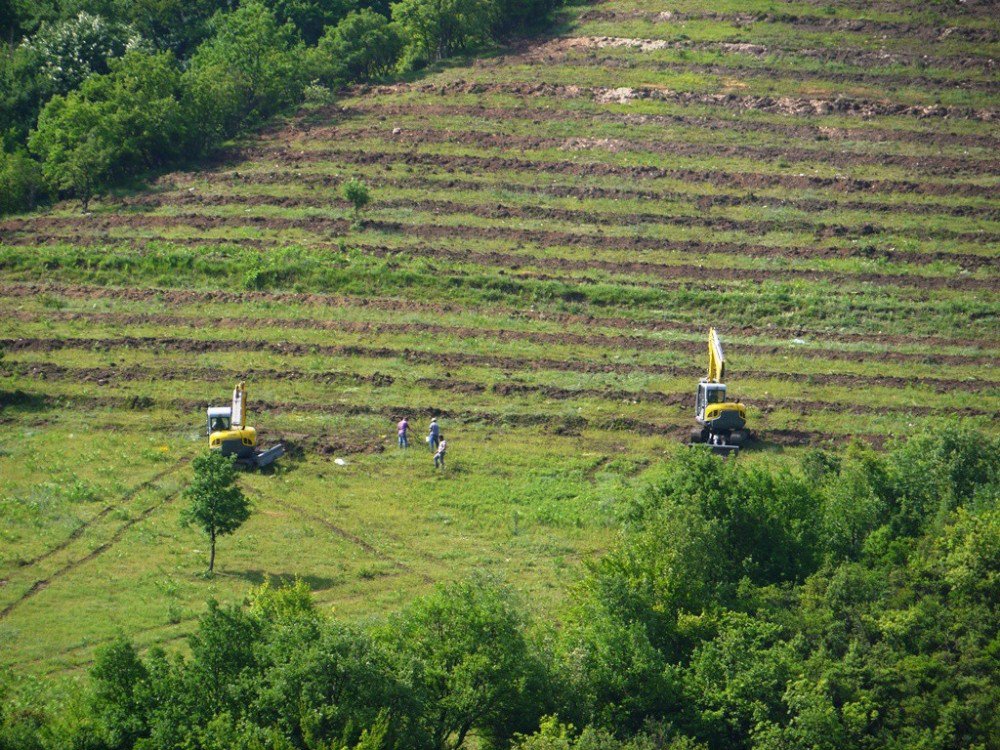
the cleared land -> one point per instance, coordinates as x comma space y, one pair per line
553, 230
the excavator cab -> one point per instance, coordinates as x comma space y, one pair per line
229, 433
720, 421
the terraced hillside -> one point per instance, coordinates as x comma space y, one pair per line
553, 230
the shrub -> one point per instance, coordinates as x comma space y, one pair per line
364, 45
357, 193
21, 182
311, 17
436, 29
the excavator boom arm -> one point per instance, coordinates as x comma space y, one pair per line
239, 417
716, 360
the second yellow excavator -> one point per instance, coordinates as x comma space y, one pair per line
721, 422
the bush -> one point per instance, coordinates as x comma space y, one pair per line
115, 125
362, 46
357, 193
21, 182
247, 71
436, 29
72, 50
311, 17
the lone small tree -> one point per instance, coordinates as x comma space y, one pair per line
217, 505
357, 193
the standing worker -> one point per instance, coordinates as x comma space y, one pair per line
434, 436
401, 430
439, 456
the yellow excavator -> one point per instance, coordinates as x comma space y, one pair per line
228, 432
721, 423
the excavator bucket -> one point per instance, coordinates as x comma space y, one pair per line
268, 457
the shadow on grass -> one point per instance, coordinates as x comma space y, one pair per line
25, 401
314, 582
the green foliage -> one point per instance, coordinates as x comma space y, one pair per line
217, 506
248, 70
464, 651
69, 51
115, 125
363, 46
520, 15
20, 182
357, 193
436, 29
311, 17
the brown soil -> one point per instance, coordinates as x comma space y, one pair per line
579, 217
383, 108
179, 297
703, 201
34, 232
809, 23
929, 165
785, 105
738, 180
507, 364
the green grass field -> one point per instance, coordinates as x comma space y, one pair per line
553, 230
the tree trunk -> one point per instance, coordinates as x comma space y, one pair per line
211, 554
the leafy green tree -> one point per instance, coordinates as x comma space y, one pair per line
358, 194
217, 505
121, 694
71, 50
115, 125
250, 69
521, 15
464, 651
436, 29
20, 182
311, 17
364, 45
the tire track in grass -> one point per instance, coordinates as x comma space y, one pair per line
43, 583
125, 498
345, 535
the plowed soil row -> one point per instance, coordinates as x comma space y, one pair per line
584, 55
740, 180
109, 376
458, 359
810, 23
703, 201
31, 235
850, 55
178, 297
842, 53
509, 211
602, 341
786, 105
555, 424
929, 165
384, 107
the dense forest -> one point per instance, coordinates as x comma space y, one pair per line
851, 602
96, 92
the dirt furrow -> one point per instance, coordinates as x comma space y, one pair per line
929, 165
703, 200
868, 26
577, 168
387, 107
32, 232
505, 363
603, 341
554, 424
582, 53
500, 210
784, 105
110, 376
180, 297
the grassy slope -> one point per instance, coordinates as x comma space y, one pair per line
539, 266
